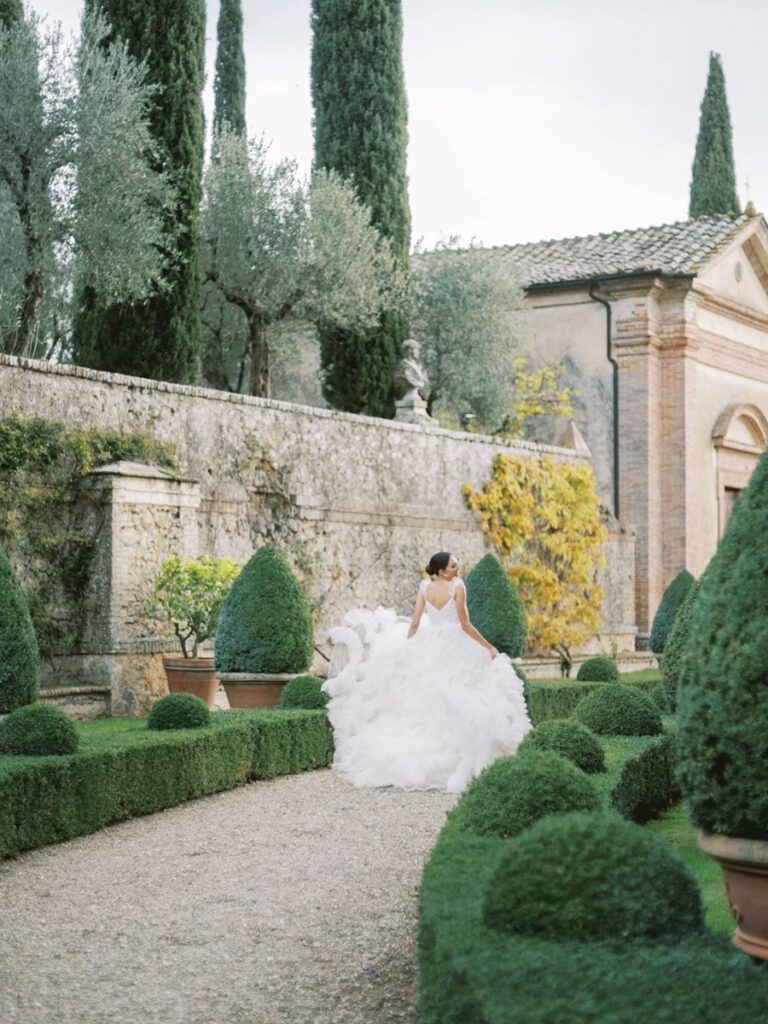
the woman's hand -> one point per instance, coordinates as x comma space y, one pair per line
493, 652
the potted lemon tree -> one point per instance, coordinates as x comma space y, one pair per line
190, 594
722, 713
265, 635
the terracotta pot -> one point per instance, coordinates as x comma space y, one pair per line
254, 689
744, 863
191, 675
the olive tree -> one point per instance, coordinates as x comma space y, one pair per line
80, 193
466, 315
276, 248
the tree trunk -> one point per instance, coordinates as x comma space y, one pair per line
34, 280
258, 349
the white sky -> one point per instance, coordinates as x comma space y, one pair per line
531, 120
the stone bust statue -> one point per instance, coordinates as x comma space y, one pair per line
410, 377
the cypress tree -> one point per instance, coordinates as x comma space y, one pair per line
229, 82
159, 338
671, 602
358, 95
10, 11
713, 181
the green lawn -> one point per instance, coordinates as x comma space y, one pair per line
643, 675
675, 827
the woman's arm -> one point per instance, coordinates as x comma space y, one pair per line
466, 625
417, 613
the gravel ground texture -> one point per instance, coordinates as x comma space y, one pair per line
283, 902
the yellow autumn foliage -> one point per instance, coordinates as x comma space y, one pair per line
536, 391
543, 519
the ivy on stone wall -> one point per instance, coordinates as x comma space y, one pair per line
49, 523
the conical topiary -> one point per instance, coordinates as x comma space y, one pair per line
19, 655
495, 608
674, 656
722, 696
669, 606
265, 624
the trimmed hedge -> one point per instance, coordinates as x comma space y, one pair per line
304, 692
471, 974
598, 670
646, 783
179, 711
570, 739
139, 772
19, 655
513, 792
670, 604
495, 609
559, 700
38, 730
265, 624
618, 710
592, 876
674, 657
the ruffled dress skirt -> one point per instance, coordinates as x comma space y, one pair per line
426, 713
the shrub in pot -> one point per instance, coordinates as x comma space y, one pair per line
19, 655
495, 608
722, 712
190, 594
265, 631
670, 604
598, 670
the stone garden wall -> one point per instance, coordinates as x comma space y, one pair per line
358, 504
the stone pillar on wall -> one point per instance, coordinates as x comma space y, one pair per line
149, 515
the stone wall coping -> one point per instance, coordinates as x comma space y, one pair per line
194, 391
143, 470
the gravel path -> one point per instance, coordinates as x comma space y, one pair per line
283, 902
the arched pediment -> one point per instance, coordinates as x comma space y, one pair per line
741, 426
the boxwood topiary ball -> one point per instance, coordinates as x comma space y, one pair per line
592, 876
38, 730
304, 692
598, 670
179, 711
513, 792
617, 710
571, 739
660, 698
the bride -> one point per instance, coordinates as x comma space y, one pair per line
426, 706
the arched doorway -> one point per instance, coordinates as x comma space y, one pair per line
740, 435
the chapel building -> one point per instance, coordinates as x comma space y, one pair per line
664, 333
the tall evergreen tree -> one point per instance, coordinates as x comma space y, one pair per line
10, 11
159, 338
229, 82
713, 181
358, 93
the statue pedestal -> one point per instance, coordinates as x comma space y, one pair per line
412, 409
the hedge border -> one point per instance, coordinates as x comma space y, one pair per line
469, 974
50, 799
559, 700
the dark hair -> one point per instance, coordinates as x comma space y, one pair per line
438, 562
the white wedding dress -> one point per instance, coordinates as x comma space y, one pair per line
426, 713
